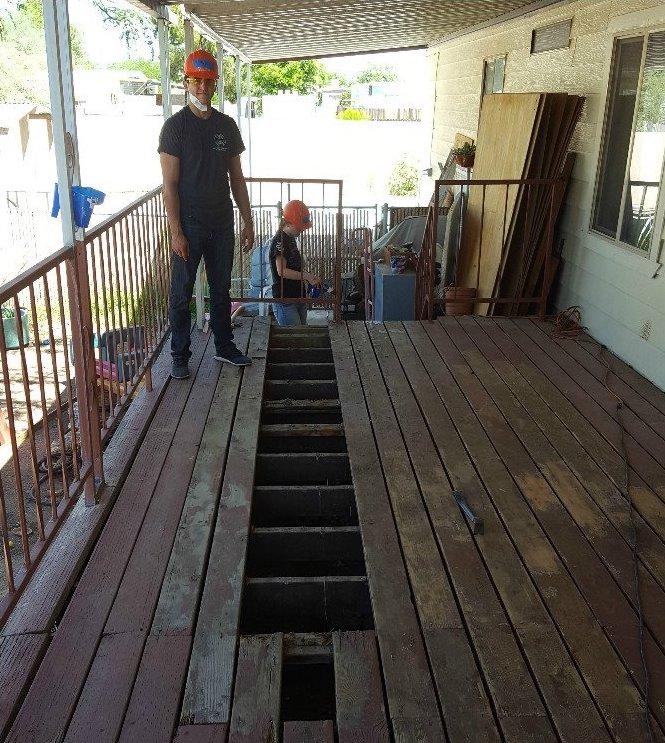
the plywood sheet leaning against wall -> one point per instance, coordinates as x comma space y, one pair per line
504, 145
523, 271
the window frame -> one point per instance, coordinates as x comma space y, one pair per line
653, 254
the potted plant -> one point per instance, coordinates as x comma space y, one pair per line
10, 327
465, 155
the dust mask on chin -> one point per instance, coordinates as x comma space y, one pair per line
197, 103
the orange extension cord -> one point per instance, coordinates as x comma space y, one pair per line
568, 324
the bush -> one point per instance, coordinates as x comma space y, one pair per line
403, 180
352, 114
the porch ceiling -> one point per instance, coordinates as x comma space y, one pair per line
271, 30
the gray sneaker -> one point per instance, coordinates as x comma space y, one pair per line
179, 370
231, 355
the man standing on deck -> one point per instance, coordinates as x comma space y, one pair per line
199, 150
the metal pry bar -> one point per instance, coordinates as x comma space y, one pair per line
476, 522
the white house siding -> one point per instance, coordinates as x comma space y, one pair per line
623, 304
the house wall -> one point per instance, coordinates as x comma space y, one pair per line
621, 294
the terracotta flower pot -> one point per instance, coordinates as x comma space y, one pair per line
459, 300
465, 161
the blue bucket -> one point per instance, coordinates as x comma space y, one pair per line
83, 202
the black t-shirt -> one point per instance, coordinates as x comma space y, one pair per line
286, 246
204, 147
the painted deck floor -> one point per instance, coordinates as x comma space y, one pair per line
286, 559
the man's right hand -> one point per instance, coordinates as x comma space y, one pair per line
180, 246
312, 279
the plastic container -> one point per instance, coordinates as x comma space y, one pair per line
11, 330
84, 200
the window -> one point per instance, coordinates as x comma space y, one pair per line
631, 161
493, 75
549, 38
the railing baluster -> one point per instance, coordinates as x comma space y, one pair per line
129, 278
18, 478
130, 230
145, 270
42, 394
56, 384
70, 398
6, 544
111, 337
122, 329
102, 373
31, 425
129, 299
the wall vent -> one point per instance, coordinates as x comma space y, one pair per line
554, 36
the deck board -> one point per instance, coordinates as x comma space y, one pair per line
210, 678
526, 632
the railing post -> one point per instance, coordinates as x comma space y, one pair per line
84, 369
384, 219
557, 187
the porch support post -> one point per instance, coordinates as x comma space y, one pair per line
249, 118
164, 61
238, 94
189, 36
220, 82
63, 112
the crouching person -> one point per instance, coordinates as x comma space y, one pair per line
289, 279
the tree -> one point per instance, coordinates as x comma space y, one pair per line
22, 54
133, 27
149, 67
404, 179
377, 74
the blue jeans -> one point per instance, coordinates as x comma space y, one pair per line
290, 314
216, 248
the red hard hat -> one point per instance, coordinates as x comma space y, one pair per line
202, 65
297, 214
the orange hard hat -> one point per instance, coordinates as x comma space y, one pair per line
297, 214
202, 65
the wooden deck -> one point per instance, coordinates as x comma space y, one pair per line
286, 561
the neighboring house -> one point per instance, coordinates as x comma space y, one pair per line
613, 53
388, 100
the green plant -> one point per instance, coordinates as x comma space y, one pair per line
352, 114
7, 313
403, 180
466, 150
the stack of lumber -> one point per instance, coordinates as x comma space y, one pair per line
520, 136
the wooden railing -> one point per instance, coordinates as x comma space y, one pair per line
79, 333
